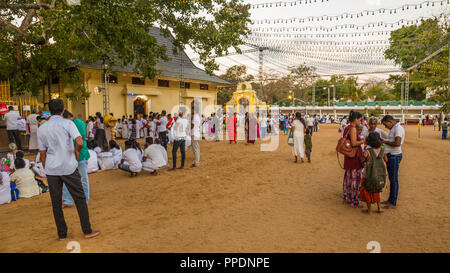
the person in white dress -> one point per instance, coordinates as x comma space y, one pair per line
298, 128
116, 151
124, 128
33, 123
5, 188
37, 166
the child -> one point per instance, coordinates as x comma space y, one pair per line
11, 156
308, 144
374, 172
116, 153
137, 146
133, 162
92, 162
133, 130
24, 180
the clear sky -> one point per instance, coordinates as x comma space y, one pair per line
331, 59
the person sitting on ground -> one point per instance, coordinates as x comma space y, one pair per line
130, 161
21, 154
116, 151
37, 167
155, 156
374, 172
24, 180
5, 188
93, 159
140, 152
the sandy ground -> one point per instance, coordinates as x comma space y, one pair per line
245, 200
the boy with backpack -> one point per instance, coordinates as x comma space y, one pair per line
374, 172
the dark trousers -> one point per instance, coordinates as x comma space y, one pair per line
73, 184
308, 153
316, 127
14, 135
182, 145
392, 167
444, 134
311, 129
163, 139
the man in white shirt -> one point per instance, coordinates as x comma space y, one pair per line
180, 132
196, 135
59, 158
162, 129
393, 150
155, 156
12, 122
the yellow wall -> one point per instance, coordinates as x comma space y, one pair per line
121, 102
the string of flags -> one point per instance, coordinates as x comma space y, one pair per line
285, 3
406, 7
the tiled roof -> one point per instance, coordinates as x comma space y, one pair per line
171, 68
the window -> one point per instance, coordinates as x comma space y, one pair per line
137, 80
111, 78
163, 83
186, 85
203, 87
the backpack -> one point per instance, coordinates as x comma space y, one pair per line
375, 179
14, 192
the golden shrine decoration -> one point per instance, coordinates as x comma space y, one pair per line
25, 100
245, 96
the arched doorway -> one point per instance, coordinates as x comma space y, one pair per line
139, 106
243, 105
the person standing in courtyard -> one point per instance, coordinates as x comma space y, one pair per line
162, 129
353, 166
232, 128
100, 135
445, 128
82, 161
196, 135
59, 158
393, 150
180, 132
12, 122
34, 125
298, 129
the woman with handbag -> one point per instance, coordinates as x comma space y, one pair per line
352, 165
298, 131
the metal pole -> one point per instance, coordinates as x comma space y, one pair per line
334, 94
314, 95
328, 96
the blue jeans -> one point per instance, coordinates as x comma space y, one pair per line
392, 168
444, 134
263, 132
82, 168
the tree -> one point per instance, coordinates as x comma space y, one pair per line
39, 38
411, 44
235, 75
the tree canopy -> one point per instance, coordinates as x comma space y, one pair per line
42, 37
411, 44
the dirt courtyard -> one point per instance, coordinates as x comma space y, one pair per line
244, 200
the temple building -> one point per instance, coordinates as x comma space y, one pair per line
130, 94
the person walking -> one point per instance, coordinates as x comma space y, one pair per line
310, 124
393, 149
59, 158
82, 161
445, 128
353, 165
180, 132
298, 129
196, 135
34, 125
12, 122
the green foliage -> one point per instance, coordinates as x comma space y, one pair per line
410, 45
377, 112
235, 75
52, 39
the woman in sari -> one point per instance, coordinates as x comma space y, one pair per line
250, 126
232, 128
353, 166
